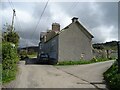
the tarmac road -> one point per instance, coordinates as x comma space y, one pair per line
91, 73
48, 76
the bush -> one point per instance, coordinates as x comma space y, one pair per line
98, 59
10, 35
23, 54
112, 77
9, 61
31, 52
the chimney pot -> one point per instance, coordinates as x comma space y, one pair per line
74, 19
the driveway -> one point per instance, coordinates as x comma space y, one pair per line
48, 76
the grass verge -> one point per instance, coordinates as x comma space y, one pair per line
112, 78
94, 60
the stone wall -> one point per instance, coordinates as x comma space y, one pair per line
104, 53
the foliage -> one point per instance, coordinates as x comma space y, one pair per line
73, 62
9, 61
108, 45
31, 52
99, 59
96, 46
23, 54
10, 35
8, 75
112, 77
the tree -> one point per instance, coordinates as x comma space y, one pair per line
10, 35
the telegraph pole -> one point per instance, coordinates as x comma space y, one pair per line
13, 19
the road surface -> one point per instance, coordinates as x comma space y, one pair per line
91, 73
48, 76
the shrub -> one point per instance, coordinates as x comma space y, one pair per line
23, 54
98, 59
9, 61
94, 60
10, 35
31, 52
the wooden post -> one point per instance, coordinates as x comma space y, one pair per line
118, 44
107, 54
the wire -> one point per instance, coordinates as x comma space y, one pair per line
13, 8
11, 5
40, 18
18, 23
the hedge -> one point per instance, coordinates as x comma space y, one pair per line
112, 77
9, 62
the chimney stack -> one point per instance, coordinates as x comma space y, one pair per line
74, 19
56, 27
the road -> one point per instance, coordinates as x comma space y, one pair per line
91, 73
48, 76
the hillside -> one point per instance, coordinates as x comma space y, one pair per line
108, 45
34, 48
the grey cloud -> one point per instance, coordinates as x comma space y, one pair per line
92, 15
38, 9
111, 16
83, 11
110, 11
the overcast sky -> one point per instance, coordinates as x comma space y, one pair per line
100, 18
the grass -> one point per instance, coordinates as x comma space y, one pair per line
94, 60
73, 62
32, 55
112, 77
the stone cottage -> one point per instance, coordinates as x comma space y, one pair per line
73, 42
